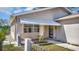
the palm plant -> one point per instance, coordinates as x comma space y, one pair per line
41, 39
2, 38
3, 32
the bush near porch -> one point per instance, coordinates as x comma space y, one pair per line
40, 39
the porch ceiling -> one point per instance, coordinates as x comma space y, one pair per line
39, 22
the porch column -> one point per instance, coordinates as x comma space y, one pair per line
54, 33
16, 35
18, 32
41, 30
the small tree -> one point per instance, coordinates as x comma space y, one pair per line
2, 38
3, 32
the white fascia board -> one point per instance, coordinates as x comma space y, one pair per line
32, 11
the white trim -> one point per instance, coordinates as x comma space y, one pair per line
32, 11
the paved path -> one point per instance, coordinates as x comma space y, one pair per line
65, 45
8, 40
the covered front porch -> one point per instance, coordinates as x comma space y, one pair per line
39, 30
34, 28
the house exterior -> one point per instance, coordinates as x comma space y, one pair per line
57, 23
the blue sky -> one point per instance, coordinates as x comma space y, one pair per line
5, 12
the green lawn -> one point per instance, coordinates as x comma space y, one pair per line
51, 47
12, 48
54, 47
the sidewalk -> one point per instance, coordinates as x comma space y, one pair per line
8, 40
65, 45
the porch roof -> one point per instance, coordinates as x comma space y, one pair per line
40, 22
69, 17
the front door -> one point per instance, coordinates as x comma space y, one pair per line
50, 31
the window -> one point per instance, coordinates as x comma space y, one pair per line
31, 28
27, 28
36, 28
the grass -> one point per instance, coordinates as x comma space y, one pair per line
51, 47
11, 47
54, 47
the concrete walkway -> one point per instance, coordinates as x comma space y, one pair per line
8, 40
65, 45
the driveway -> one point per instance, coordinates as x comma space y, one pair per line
65, 45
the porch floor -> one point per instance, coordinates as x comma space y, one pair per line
65, 45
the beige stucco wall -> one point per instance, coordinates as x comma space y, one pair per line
12, 32
46, 31
20, 31
29, 35
43, 30
19, 28
71, 28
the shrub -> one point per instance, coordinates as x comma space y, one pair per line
43, 44
2, 36
8, 47
41, 39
